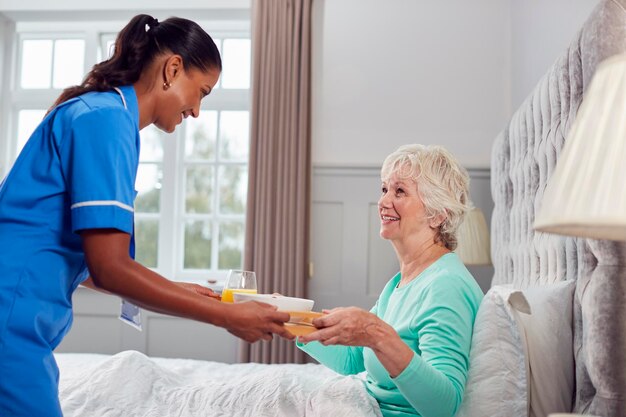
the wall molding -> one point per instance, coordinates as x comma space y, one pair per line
373, 171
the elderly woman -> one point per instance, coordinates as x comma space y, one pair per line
414, 343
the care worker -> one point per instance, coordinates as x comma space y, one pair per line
66, 208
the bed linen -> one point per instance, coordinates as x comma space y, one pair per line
132, 384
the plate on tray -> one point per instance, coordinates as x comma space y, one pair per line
283, 302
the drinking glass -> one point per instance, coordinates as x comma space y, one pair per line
238, 281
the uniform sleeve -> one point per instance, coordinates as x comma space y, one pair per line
434, 380
346, 360
100, 159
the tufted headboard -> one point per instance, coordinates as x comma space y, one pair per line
523, 159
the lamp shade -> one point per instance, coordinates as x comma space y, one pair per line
586, 195
473, 239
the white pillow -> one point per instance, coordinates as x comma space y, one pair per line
497, 378
522, 364
550, 341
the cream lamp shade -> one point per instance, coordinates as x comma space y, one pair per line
473, 239
586, 195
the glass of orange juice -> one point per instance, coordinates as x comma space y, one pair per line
238, 281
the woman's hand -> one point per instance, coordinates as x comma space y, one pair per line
199, 289
253, 321
349, 326
352, 326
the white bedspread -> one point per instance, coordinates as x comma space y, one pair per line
132, 384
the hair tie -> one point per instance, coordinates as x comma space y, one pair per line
154, 23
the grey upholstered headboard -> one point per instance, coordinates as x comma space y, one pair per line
523, 159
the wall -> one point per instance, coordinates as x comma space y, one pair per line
540, 32
388, 73
395, 72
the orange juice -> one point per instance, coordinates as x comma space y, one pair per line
227, 294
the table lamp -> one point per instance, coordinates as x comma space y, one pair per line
473, 239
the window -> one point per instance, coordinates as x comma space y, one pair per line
191, 184
51, 63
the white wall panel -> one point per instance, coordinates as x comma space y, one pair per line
94, 333
326, 223
175, 338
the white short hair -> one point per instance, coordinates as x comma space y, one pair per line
442, 184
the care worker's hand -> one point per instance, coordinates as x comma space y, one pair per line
253, 321
199, 289
348, 326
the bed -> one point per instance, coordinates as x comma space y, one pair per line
524, 156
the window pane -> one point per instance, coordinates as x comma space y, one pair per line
147, 242
231, 245
234, 135
236, 63
151, 144
36, 63
218, 43
233, 183
27, 121
148, 185
200, 136
110, 49
199, 189
69, 62
197, 245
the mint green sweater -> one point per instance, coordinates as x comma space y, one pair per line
434, 315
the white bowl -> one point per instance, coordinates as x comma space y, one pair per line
282, 302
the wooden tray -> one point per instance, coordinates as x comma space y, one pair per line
303, 317
300, 322
299, 329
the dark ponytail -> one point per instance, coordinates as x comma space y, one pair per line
138, 44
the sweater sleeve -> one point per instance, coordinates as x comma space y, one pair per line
346, 360
434, 380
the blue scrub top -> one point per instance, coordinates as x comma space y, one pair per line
77, 171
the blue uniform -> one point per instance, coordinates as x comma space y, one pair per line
77, 171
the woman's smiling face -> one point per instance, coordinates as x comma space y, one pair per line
182, 99
402, 212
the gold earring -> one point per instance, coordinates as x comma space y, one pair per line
166, 85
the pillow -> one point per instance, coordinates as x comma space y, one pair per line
550, 342
521, 358
497, 376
